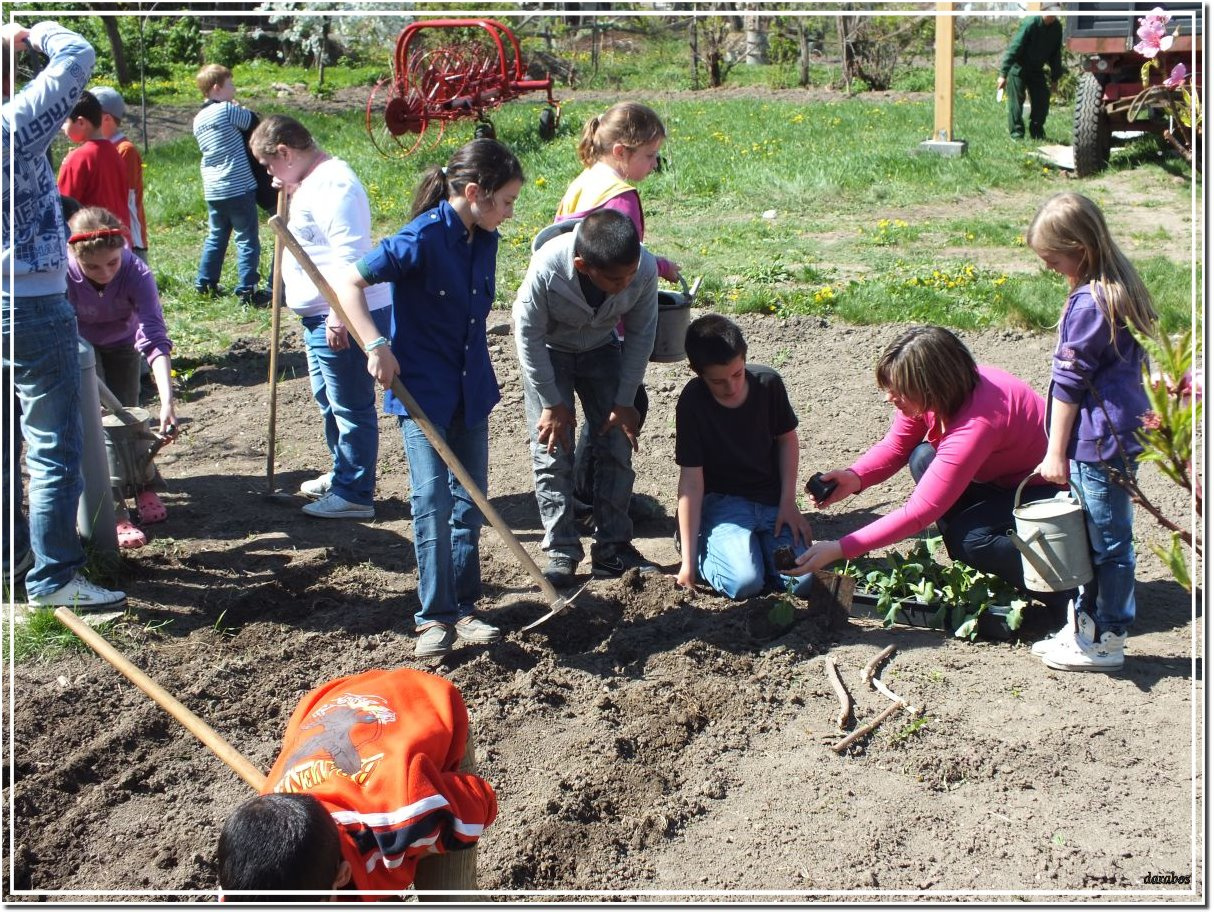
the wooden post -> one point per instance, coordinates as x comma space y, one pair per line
943, 130
942, 140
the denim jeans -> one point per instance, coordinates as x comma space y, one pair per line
1109, 596
118, 369
593, 376
446, 521
736, 550
345, 393
45, 373
975, 528
583, 457
239, 215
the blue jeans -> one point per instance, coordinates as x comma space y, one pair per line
1109, 596
345, 393
593, 376
736, 550
975, 528
446, 521
45, 373
239, 215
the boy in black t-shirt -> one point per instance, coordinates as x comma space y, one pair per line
737, 449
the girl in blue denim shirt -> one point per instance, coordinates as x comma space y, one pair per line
441, 267
1096, 405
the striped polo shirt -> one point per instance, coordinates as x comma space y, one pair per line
225, 164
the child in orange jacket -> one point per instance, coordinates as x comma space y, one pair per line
367, 784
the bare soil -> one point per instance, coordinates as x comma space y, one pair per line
644, 739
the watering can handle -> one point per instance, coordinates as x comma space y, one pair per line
1024, 482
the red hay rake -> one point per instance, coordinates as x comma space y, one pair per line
436, 81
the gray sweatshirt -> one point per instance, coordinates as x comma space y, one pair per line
30, 120
550, 312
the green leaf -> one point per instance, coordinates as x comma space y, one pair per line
781, 613
1016, 615
968, 628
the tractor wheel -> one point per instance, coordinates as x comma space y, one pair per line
547, 124
484, 130
1093, 136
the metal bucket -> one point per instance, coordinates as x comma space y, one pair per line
1052, 537
129, 448
674, 316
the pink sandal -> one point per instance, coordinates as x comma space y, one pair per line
151, 508
130, 536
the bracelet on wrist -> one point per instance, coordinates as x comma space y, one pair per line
376, 343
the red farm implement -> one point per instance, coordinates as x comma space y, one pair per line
446, 70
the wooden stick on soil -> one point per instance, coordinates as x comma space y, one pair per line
870, 671
860, 732
845, 705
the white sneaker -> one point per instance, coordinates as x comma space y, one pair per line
80, 594
1082, 653
318, 487
333, 505
1066, 633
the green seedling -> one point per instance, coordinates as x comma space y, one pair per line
909, 730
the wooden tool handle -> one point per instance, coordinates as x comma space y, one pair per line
277, 293
183, 715
418, 415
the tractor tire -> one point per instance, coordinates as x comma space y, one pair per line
1093, 135
547, 124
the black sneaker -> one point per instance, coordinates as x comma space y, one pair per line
559, 570
258, 298
613, 561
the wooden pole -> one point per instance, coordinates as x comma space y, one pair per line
183, 715
942, 132
277, 293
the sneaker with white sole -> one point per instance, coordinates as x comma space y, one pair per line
79, 593
435, 640
318, 487
477, 631
613, 561
1066, 633
1084, 651
333, 505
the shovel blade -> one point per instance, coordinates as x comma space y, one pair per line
556, 608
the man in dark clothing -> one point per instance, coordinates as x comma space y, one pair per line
1037, 43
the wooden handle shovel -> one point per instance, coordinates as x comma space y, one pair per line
556, 602
276, 303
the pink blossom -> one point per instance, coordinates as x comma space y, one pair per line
1177, 77
1150, 420
1153, 30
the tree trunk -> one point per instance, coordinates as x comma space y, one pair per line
121, 70
321, 55
693, 40
756, 40
803, 54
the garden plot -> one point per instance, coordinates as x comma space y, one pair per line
640, 741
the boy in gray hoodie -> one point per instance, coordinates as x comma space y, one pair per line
586, 276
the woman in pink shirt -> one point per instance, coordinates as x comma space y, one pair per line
969, 434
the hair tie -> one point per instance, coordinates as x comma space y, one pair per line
444, 171
93, 235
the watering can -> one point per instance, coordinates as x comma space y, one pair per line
1052, 537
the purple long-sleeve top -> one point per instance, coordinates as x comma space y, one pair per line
1102, 373
126, 312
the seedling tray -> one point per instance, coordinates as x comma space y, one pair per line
992, 624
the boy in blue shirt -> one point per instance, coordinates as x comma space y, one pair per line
229, 186
737, 450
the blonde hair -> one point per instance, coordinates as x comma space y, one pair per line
1070, 224
94, 230
626, 122
930, 366
210, 76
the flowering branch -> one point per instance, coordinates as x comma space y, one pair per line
1173, 93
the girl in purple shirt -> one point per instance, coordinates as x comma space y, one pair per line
118, 311
1096, 405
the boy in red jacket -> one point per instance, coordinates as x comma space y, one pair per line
368, 783
93, 173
